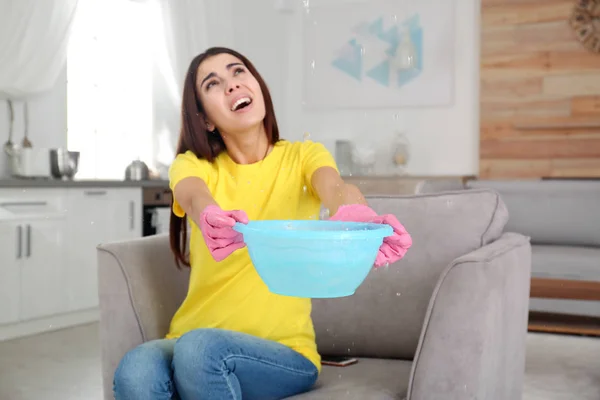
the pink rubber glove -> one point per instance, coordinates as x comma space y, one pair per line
394, 247
217, 228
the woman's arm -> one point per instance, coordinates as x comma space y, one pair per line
333, 191
193, 196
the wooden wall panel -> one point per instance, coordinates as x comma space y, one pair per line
540, 93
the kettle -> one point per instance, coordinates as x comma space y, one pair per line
137, 171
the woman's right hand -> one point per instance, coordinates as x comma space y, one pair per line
216, 225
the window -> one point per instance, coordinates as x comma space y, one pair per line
109, 86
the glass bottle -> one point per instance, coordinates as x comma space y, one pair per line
401, 153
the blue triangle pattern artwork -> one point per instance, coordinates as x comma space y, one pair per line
381, 73
350, 61
404, 77
376, 28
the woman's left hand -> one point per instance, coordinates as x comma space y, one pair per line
394, 247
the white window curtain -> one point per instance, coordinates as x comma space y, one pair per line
184, 34
126, 65
33, 44
109, 86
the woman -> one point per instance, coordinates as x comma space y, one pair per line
231, 338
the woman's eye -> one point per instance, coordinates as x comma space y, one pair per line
210, 84
238, 70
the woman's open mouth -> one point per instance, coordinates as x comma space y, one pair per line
241, 104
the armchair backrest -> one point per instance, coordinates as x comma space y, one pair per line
385, 316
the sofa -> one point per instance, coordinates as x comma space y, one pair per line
562, 217
449, 321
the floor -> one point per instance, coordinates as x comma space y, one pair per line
65, 365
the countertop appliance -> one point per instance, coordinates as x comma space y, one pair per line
137, 171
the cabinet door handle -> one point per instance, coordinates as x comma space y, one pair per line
131, 215
28, 246
19, 242
95, 192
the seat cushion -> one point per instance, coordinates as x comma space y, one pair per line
566, 262
373, 379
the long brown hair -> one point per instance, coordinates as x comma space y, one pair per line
207, 145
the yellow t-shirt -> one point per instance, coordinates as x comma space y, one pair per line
230, 294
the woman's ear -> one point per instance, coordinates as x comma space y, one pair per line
209, 126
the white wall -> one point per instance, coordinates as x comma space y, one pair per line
444, 141
47, 121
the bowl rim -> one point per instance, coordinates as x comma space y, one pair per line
361, 230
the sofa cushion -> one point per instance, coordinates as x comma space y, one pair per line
372, 379
566, 262
385, 316
551, 211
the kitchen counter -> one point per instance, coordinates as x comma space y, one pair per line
56, 183
370, 185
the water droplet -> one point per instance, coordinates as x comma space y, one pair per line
398, 294
304, 189
91, 222
312, 64
306, 136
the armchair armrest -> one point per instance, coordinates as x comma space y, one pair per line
472, 344
139, 290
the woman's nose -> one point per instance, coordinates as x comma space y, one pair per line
233, 87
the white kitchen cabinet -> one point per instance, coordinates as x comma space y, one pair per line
32, 248
10, 274
88, 216
48, 258
96, 215
43, 267
126, 206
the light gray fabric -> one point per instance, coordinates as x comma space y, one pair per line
569, 307
140, 289
564, 212
473, 341
443, 226
566, 262
369, 379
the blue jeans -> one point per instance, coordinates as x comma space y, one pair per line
213, 364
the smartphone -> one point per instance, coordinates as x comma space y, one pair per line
338, 361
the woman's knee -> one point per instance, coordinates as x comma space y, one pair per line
200, 348
145, 369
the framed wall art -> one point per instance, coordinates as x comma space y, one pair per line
355, 55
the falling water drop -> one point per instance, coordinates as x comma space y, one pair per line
398, 294
306, 136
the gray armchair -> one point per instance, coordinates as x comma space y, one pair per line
449, 321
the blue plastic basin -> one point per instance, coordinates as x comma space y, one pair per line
314, 259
